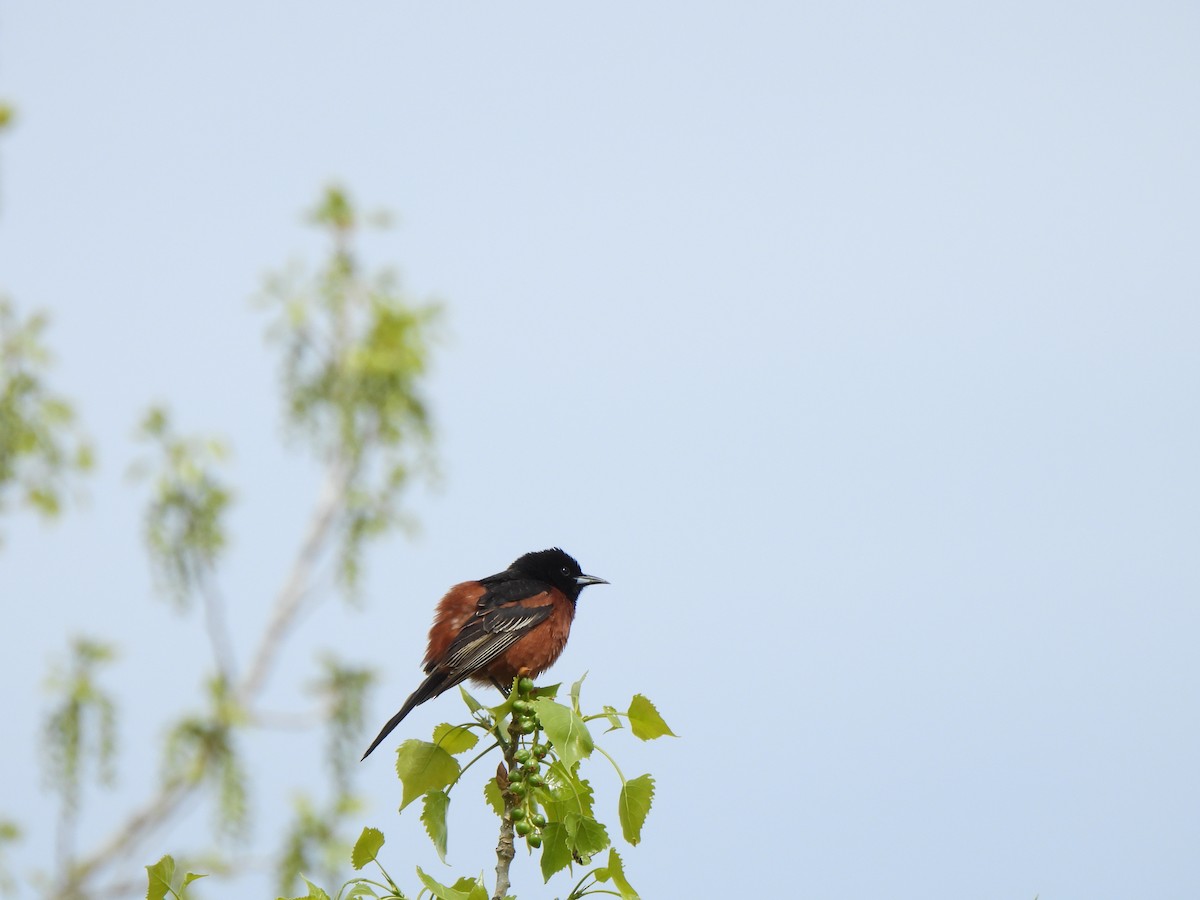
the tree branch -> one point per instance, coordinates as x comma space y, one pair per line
218, 630
171, 797
505, 849
122, 842
291, 597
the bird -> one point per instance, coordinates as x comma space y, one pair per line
514, 623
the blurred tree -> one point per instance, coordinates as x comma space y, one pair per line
41, 447
355, 352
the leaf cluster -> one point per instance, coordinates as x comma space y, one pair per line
184, 522
355, 354
41, 448
314, 841
539, 792
203, 749
81, 725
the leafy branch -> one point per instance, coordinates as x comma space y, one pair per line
538, 793
41, 448
80, 727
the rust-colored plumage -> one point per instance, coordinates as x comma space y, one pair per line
529, 655
515, 622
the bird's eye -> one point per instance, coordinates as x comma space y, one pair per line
566, 570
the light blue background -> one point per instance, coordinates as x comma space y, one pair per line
856, 344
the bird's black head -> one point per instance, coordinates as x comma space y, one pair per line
558, 569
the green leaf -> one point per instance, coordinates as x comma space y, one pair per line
190, 877
366, 848
472, 704
614, 721
433, 817
159, 878
548, 690
575, 694
358, 396
615, 872
565, 729
314, 892
556, 849
360, 889
645, 721
569, 793
423, 767
494, 796
588, 837
473, 887
634, 805
441, 891
502, 710
454, 738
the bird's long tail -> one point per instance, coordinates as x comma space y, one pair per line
436, 683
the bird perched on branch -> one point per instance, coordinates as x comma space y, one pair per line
513, 623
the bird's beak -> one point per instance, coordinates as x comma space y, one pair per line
585, 580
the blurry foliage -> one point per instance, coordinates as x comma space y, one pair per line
10, 833
202, 749
7, 115
79, 736
342, 690
355, 354
314, 841
81, 725
184, 527
41, 449
313, 844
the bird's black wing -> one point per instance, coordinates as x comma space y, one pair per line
489, 633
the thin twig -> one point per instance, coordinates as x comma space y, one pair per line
218, 629
65, 833
284, 721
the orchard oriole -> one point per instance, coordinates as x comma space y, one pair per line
515, 622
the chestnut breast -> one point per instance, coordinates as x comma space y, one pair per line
531, 654
453, 612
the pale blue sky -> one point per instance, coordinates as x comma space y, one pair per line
856, 344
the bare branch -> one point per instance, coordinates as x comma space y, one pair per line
218, 630
285, 721
291, 597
